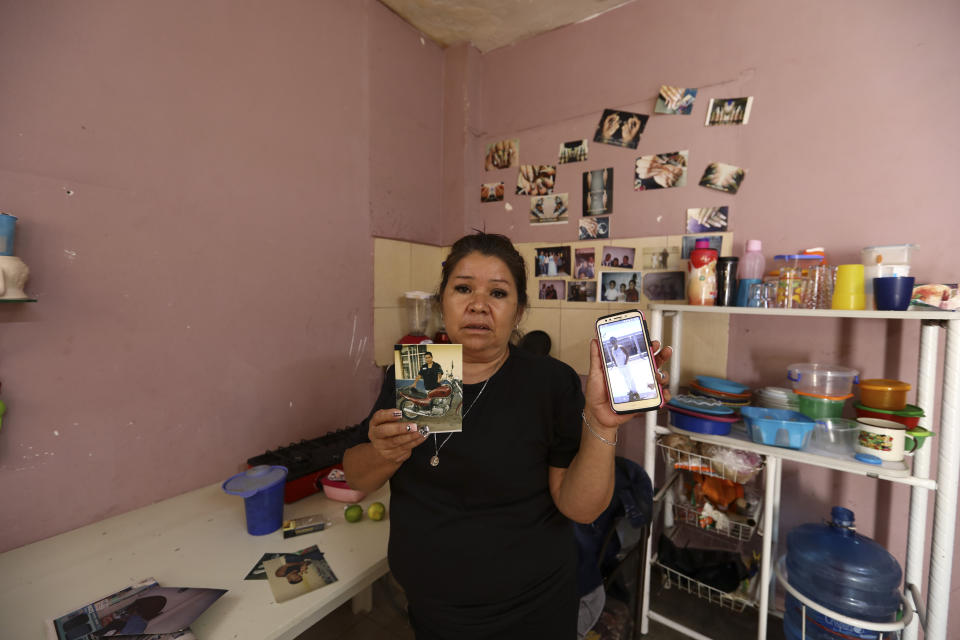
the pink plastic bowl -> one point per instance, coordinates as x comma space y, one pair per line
341, 491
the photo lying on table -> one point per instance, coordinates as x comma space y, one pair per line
661, 171
707, 219
504, 154
625, 356
596, 228
661, 258
552, 262
491, 192
723, 177
623, 257
598, 192
584, 264
294, 574
664, 285
573, 151
675, 100
620, 286
429, 385
535, 179
549, 209
728, 111
552, 289
620, 128
689, 243
259, 573
582, 291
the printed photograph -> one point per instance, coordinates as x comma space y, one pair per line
728, 111
584, 264
620, 286
429, 385
623, 257
552, 262
582, 291
690, 243
292, 574
549, 209
502, 155
535, 180
552, 289
620, 128
597, 228
666, 285
661, 171
675, 100
598, 192
662, 258
723, 177
573, 151
259, 573
491, 192
707, 219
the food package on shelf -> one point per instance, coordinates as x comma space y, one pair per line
737, 465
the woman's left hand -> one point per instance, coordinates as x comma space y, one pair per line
597, 407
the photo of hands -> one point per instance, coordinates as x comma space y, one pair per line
707, 219
549, 209
594, 228
662, 171
491, 192
675, 100
723, 177
574, 151
620, 128
502, 155
536, 180
728, 111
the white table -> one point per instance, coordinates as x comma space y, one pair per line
197, 539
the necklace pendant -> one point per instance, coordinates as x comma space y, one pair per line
434, 461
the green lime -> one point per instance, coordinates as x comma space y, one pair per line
376, 511
353, 513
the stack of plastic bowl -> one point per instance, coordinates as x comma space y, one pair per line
884, 261
732, 394
822, 389
701, 415
776, 398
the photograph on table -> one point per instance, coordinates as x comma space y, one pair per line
504, 154
552, 262
597, 228
707, 219
623, 257
491, 192
728, 111
429, 385
293, 574
259, 573
535, 179
549, 209
582, 291
661, 258
620, 286
723, 177
620, 128
598, 192
660, 171
664, 285
573, 151
689, 243
675, 100
552, 289
584, 263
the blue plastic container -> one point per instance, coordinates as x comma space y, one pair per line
840, 569
261, 488
8, 227
778, 427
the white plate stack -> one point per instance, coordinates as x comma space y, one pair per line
776, 398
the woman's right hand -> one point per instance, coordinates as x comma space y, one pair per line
393, 438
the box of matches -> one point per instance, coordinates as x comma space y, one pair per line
307, 524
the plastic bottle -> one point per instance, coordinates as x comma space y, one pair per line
702, 274
844, 571
751, 270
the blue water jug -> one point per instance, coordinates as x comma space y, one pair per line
840, 569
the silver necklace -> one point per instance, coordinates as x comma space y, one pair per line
435, 460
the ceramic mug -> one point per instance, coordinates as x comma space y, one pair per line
886, 439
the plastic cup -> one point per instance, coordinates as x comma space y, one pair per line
893, 294
8, 226
848, 293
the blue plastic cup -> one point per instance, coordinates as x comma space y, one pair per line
893, 293
261, 488
8, 227
743, 291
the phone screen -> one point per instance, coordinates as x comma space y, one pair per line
628, 363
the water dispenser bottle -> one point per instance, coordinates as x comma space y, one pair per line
844, 571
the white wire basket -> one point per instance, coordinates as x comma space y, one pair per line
735, 601
688, 461
739, 528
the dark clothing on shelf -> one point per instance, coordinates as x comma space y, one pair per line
477, 542
431, 376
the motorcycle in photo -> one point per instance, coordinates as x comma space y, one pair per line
443, 401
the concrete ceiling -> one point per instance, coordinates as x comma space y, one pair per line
490, 24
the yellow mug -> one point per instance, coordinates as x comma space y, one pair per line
848, 293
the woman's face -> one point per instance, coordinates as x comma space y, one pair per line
480, 306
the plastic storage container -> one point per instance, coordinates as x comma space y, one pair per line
844, 571
887, 254
261, 488
778, 427
816, 407
8, 229
909, 416
883, 393
835, 435
822, 379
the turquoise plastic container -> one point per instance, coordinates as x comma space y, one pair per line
8, 227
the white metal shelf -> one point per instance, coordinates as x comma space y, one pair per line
809, 313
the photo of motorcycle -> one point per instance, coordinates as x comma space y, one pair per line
445, 399
429, 385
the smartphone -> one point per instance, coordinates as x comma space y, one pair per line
628, 365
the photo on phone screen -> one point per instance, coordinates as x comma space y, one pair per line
629, 367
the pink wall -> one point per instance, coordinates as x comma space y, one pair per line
205, 293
